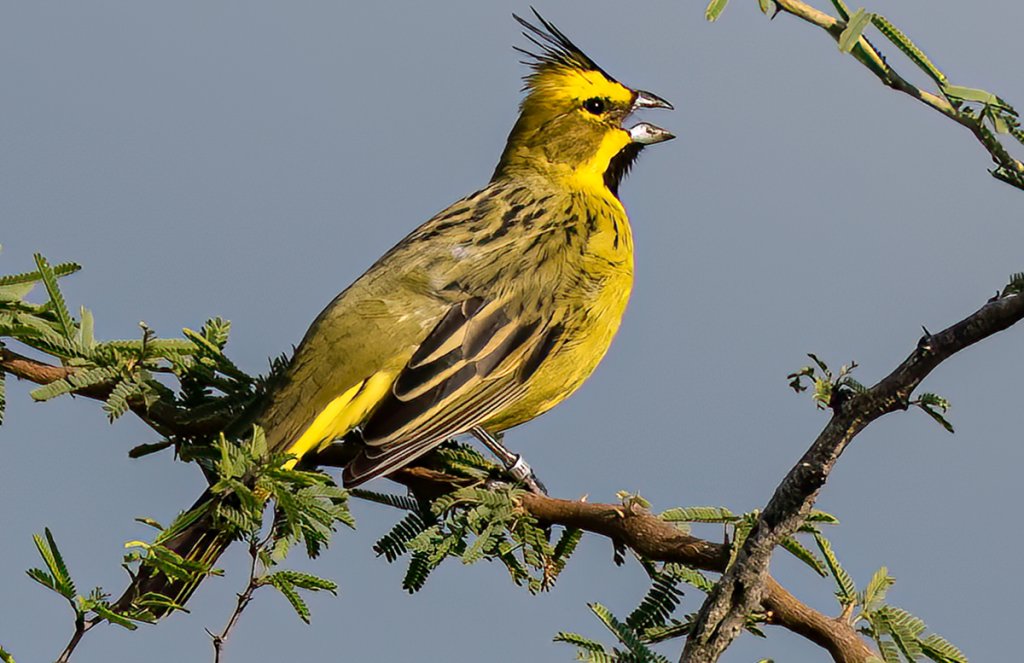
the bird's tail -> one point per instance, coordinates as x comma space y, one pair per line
199, 542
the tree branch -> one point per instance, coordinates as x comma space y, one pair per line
82, 626
876, 64
164, 418
655, 539
742, 588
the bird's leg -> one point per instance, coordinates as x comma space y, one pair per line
514, 465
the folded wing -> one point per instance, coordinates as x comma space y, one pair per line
476, 361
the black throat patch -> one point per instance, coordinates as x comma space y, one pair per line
620, 165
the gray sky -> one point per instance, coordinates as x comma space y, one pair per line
250, 159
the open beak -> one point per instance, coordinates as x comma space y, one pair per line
646, 133
648, 100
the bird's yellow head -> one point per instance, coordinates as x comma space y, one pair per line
570, 122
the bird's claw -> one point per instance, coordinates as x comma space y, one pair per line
523, 473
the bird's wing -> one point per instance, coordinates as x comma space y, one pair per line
475, 362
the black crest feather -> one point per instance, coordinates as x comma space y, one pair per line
556, 50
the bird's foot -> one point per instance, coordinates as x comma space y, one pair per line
515, 466
521, 471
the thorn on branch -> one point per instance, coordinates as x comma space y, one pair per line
924, 344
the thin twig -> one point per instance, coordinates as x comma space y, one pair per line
82, 626
219, 639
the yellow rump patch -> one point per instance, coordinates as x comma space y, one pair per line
341, 415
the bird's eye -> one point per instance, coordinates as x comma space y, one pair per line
594, 105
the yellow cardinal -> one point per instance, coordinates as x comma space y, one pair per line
487, 315
499, 307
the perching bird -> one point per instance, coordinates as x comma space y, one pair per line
493, 311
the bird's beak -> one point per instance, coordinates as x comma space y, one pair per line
646, 133
649, 100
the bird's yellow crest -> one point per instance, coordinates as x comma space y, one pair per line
570, 122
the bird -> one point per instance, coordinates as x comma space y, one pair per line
491, 312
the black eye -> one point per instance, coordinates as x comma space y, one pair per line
594, 105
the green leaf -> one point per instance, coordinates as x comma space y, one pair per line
904, 629
403, 502
417, 573
902, 42
846, 590
740, 531
767, 6
890, 652
117, 403
106, 612
44, 579
154, 600
141, 450
150, 522
566, 544
874, 593
16, 293
699, 514
851, 34
932, 410
168, 347
183, 521
1015, 286
1018, 133
216, 330
48, 550
972, 94
59, 270
393, 544
672, 630
626, 635
287, 590
824, 517
583, 643
5, 656
804, 555
941, 650
483, 541
714, 10
658, 604
86, 336
842, 9
81, 379
51, 390
690, 576
60, 308
306, 581
39, 334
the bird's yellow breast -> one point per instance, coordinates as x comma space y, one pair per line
596, 279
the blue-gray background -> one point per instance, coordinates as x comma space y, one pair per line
249, 159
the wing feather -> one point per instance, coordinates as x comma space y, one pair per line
376, 461
474, 362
